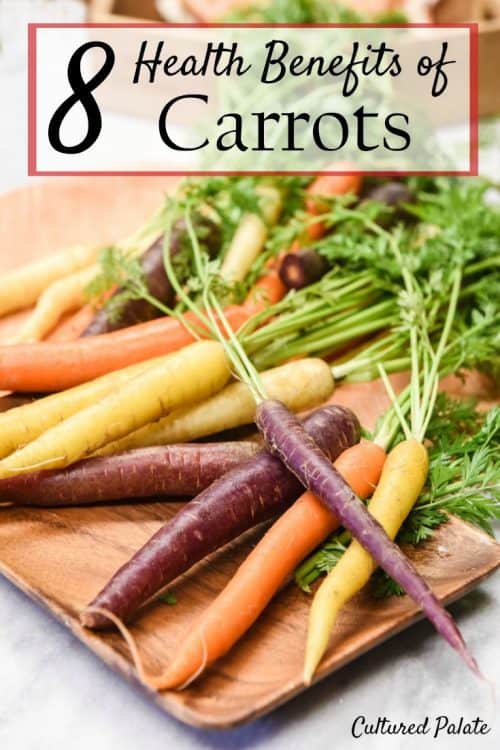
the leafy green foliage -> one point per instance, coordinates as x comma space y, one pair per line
323, 560
453, 225
168, 597
229, 197
466, 226
383, 586
464, 477
117, 269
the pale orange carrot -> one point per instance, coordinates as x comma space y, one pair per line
71, 328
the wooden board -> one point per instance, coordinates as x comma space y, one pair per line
62, 557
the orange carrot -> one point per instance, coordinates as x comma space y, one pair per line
329, 185
269, 289
54, 366
73, 327
299, 530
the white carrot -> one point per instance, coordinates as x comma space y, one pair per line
250, 236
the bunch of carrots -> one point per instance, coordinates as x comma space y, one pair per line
131, 392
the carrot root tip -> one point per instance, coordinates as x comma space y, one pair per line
88, 619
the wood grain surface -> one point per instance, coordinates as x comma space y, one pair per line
62, 557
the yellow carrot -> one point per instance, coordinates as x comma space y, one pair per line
25, 423
250, 236
192, 374
400, 484
300, 385
22, 286
403, 478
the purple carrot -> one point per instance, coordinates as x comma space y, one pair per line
253, 492
172, 470
391, 193
286, 438
140, 310
394, 194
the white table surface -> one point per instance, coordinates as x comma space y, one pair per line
54, 694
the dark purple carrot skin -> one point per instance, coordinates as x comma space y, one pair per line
286, 438
391, 193
255, 491
139, 310
302, 268
168, 471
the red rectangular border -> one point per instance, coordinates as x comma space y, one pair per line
473, 28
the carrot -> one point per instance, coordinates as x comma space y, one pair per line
193, 373
250, 236
391, 193
171, 471
293, 536
244, 497
301, 385
136, 310
21, 287
267, 290
329, 185
403, 477
74, 326
52, 366
23, 424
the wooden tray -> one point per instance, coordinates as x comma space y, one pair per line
62, 557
